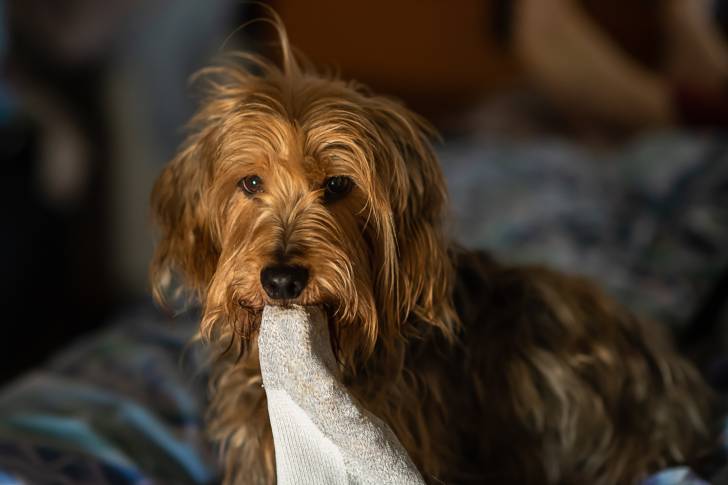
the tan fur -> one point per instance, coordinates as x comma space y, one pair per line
539, 379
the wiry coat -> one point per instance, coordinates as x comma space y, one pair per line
484, 372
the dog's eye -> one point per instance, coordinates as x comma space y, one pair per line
252, 184
336, 188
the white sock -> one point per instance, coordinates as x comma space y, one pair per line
321, 434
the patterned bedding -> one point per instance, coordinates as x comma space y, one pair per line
650, 221
120, 407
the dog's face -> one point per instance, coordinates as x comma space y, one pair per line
298, 188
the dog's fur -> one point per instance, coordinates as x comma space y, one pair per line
486, 373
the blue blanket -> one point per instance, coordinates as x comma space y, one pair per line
121, 407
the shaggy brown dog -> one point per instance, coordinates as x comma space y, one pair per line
299, 187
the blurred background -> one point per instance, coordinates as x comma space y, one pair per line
569, 130
584, 134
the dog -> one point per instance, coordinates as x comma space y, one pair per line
298, 187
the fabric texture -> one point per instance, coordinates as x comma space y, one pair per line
649, 220
121, 407
303, 453
322, 435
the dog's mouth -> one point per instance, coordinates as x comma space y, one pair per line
255, 312
249, 307
285, 303
329, 307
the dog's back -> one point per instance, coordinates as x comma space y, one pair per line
551, 381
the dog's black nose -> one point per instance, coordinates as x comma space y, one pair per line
283, 282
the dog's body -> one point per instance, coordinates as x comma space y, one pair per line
297, 187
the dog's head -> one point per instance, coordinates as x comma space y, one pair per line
295, 187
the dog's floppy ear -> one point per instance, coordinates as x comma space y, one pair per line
187, 247
416, 272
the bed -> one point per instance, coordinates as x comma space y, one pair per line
649, 220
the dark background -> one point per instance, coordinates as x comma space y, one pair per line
94, 94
